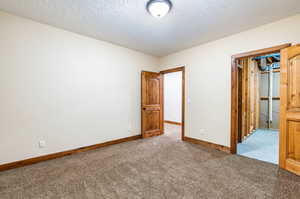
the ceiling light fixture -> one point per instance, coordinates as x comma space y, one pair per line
159, 8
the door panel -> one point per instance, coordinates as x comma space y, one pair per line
152, 120
294, 82
290, 109
152, 114
153, 91
293, 140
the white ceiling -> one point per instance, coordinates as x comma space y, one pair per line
127, 23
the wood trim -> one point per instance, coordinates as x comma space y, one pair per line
172, 122
274, 71
267, 98
208, 144
172, 70
234, 88
162, 113
240, 104
35, 160
261, 52
183, 105
234, 106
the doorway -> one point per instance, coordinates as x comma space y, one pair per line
259, 102
175, 94
236, 97
289, 116
157, 112
172, 83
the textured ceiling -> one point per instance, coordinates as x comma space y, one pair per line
127, 23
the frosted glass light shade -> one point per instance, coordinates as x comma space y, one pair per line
159, 8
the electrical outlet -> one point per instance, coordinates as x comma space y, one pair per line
42, 144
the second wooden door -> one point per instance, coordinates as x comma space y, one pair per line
290, 110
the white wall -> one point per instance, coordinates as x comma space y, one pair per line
172, 96
71, 90
64, 88
208, 76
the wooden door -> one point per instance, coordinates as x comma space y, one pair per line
290, 109
152, 101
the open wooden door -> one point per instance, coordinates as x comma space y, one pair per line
290, 110
152, 102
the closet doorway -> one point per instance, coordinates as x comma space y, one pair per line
252, 110
259, 103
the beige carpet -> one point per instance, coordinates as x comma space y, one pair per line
160, 167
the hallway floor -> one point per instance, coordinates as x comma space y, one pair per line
172, 130
262, 145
